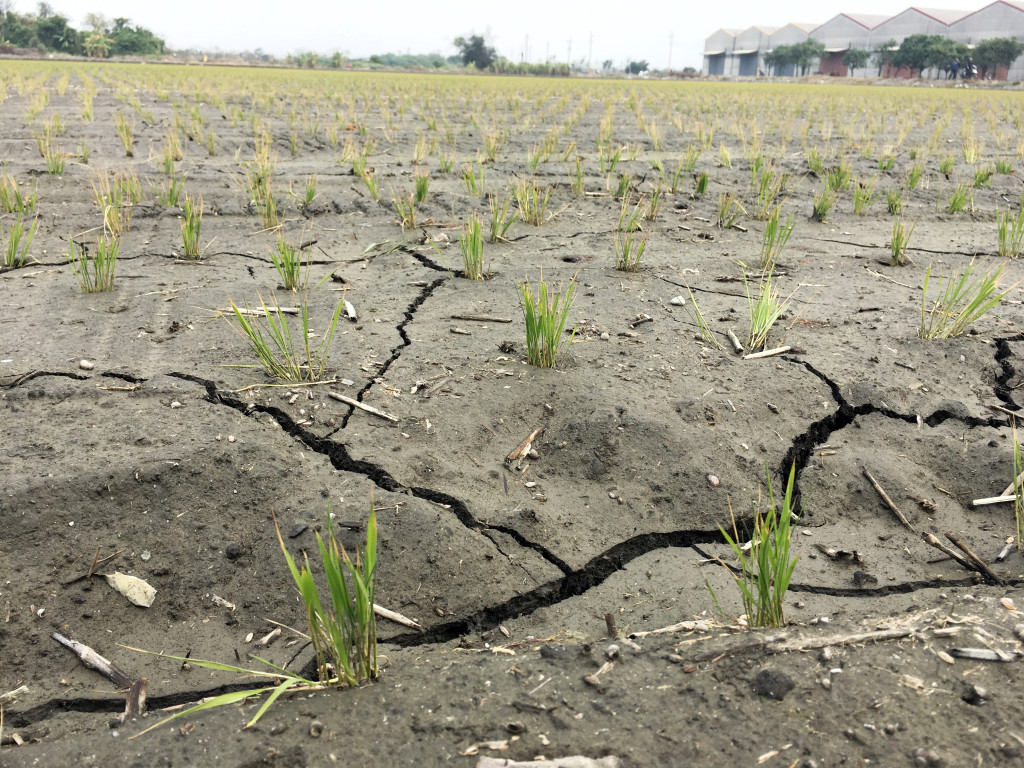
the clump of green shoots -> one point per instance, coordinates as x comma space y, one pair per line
895, 200
546, 316
1010, 231
125, 130
116, 194
960, 199
502, 219
533, 204
838, 179
863, 196
693, 310
94, 272
471, 244
770, 184
17, 240
13, 199
700, 184
629, 249
765, 309
359, 169
422, 181
287, 260
1004, 166
577, 179
729, 210
765, 572
898, 242
983, 177
343, 633
169, 194
655, 203
281, 354
946, 165
914, 176
776, 235
191, 225
963, 298
473, 179
405, 206
823, 203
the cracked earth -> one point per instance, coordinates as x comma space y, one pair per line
172, 450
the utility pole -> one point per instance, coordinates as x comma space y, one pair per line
670, 54
590, 51
568, 56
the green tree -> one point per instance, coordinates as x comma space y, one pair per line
127, 40
856, 58
636, 67
806, 52
779, 58
883, 54
607, 65
97, 45
20, 31
475, 51
337, 60
997, 52
917, 52
54, 33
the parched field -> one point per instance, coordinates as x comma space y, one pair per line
138, 424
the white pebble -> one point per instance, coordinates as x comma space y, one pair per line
231, 438
678, 301
175, 404
605, 336
86, 365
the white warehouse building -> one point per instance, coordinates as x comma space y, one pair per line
741, 52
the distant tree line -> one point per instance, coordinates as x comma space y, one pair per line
921, 53
799, 55
49, 31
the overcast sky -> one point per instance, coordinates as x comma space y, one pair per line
595, 30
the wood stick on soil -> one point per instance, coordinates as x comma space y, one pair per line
768, 353
258, 312
523, 448
1010, 488
782, 644
981, 566
886, 499
1004, 499
482, 318
934, 541
1007, 411
396, 617
363, 406
135, 701
93, 660
735, 342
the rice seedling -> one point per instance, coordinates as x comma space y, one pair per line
729, 210
693, 310
287, 260
962, 298
838, 179
971, 149
700, 184
724, 159
629, 249
629, 220
863, 197
169, 194
895, 200
473, 179
343, 636
279, 351
960, 199
577, 179
532, 204
776, 235
624, 186
406, 209
55, 158
609, 162
471, 244
13, 199
946, 165
308, 193
655, 203
983, 177
1010, 233
116, 195
446, 161
191, 225
545, 316
1018, 488
502, 219
914, 176
125, 131
765, 309
899, 241
17, 240
765, 573
885, 162
82, 153
823, 203
359, 169
211, 143
1004, 166
815, 162
422, 182
769, 186
94, 273
419, 151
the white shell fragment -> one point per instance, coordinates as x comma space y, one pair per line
678, 301
135, 589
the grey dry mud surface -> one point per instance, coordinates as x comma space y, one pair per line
170, 455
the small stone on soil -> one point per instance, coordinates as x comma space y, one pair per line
234, 551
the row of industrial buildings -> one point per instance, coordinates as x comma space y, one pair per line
741, 52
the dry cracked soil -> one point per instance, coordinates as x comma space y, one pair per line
169, 448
